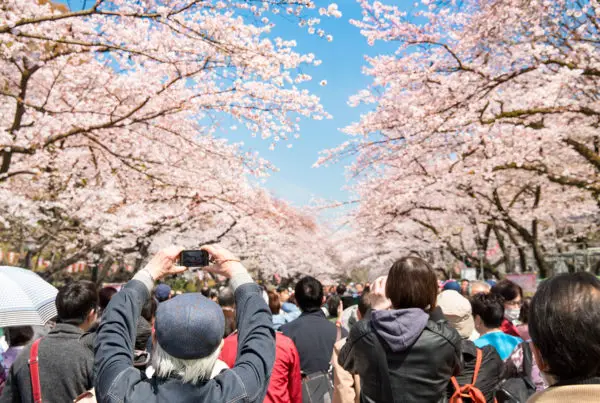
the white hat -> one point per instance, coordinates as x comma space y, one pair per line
457, 310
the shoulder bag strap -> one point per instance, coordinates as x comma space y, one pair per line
34, 371
477, 365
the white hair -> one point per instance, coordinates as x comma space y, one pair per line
189, 371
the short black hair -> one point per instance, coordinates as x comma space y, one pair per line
340, 289
507, 290
17, 336
226, 297
309, 294
564, 324
332, 305
490, 308
104, 296
75, 300
149, 309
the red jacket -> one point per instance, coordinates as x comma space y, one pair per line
509, 328
286, 382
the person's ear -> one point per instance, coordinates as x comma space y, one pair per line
92, 316
477, 320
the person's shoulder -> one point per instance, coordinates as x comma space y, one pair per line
443, 330
282, 339
560, 394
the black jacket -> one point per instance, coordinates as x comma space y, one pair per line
314, 337
420, 357
490, 373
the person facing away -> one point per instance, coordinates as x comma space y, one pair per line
488, 311
457, 311
564, 324
314, 337
187, 340
401, 354
65, 357
285, 385
17, 338
512, 295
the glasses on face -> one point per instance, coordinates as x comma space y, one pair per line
515, 304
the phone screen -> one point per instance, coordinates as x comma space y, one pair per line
194, 258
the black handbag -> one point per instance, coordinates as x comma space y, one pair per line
518, 389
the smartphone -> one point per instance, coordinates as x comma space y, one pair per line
194, 258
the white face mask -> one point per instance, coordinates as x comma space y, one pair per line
512, 314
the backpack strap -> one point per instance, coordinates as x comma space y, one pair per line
34, 371
477, 365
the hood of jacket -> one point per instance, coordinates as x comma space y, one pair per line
399, 328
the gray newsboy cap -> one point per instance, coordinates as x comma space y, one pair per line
189, 326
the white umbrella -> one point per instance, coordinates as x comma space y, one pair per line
25, 298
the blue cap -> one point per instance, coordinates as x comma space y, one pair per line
189, 326
452, 285
491, 282
162, 292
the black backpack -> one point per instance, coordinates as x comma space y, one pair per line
518, 389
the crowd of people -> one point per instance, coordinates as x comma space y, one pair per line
402, 338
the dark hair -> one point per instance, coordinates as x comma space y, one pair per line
507, 290
332, 305
149, 309
75, 300
524, 314
309, 294
226, 297
564, 324
367, 300
412, 283
104, 296
230, 322
274, 302
205, 291
340, 289
19, 335
212, 293
490, 308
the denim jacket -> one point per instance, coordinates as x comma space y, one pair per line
118, 381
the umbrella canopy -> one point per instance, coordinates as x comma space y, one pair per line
25, 298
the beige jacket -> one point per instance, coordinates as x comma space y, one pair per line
346, 386
566, 394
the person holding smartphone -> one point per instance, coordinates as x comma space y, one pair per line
187, 338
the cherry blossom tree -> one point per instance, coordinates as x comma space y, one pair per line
109, 119
484, 127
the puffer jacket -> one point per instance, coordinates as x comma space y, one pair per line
490, 372
420, 356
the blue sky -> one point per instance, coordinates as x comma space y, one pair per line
343, 59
